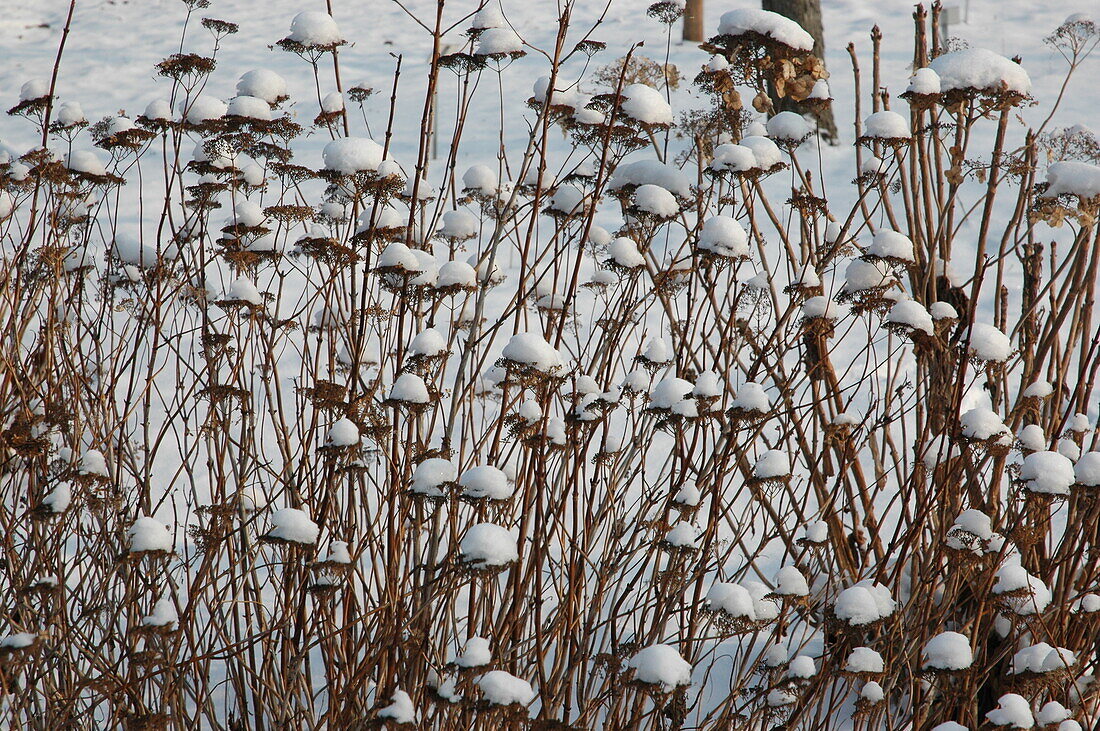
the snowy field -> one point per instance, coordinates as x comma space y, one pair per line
640, 408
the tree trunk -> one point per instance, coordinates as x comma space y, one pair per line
693, 21
806, 13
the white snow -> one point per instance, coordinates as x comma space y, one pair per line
770, 464
430, 475
766, 152
661, 665
789, 127
656, 200
912, 314
294, 525
1011, 577
485, 481
1041, 658
163, 614
856, 605
737, 158
401, 708
146, 534
732, 599
645, 104
1072, 177
947, 651
1050, 473
890, 244
398, 256
58, 498
85, 161
338, 553
924, 81
669, 392
1086, 472
864, 660
751, 396
789, 581
624, 252
34, 89
979, 70
349, 155
724, 236
766, 23
263, 84
982, 423
531, 349
344, 433
683, 535
488, 544
314, 28
202, 108
872, 692
495, 41
1012, 711
250, 107
801, 667
92, 462
504, 689
886, 125
989, 344
824, 308
489, 16
651, 172
480, 179
244, 290
409, 388
475, 653
655, 351
428, 342
460, 224
943, 311
864, 275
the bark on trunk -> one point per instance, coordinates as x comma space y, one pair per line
693, 21
806, 13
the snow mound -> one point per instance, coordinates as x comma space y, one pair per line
504, 689
293, 525
488, 544
645, 104
661, 665
766, 23
947, 651
147, 534
976, 69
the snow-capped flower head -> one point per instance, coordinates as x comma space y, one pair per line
531, 358
947, 651
662, 666
148, 536
723, 238
292, 526
646, 106
312, 32
488, 546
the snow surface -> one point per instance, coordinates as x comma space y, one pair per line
948, 651
488, 544
661, 665
146, 534
294, 525
766, 23
980, 70
485, 481
504, 689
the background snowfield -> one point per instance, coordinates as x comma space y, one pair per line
109, 68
